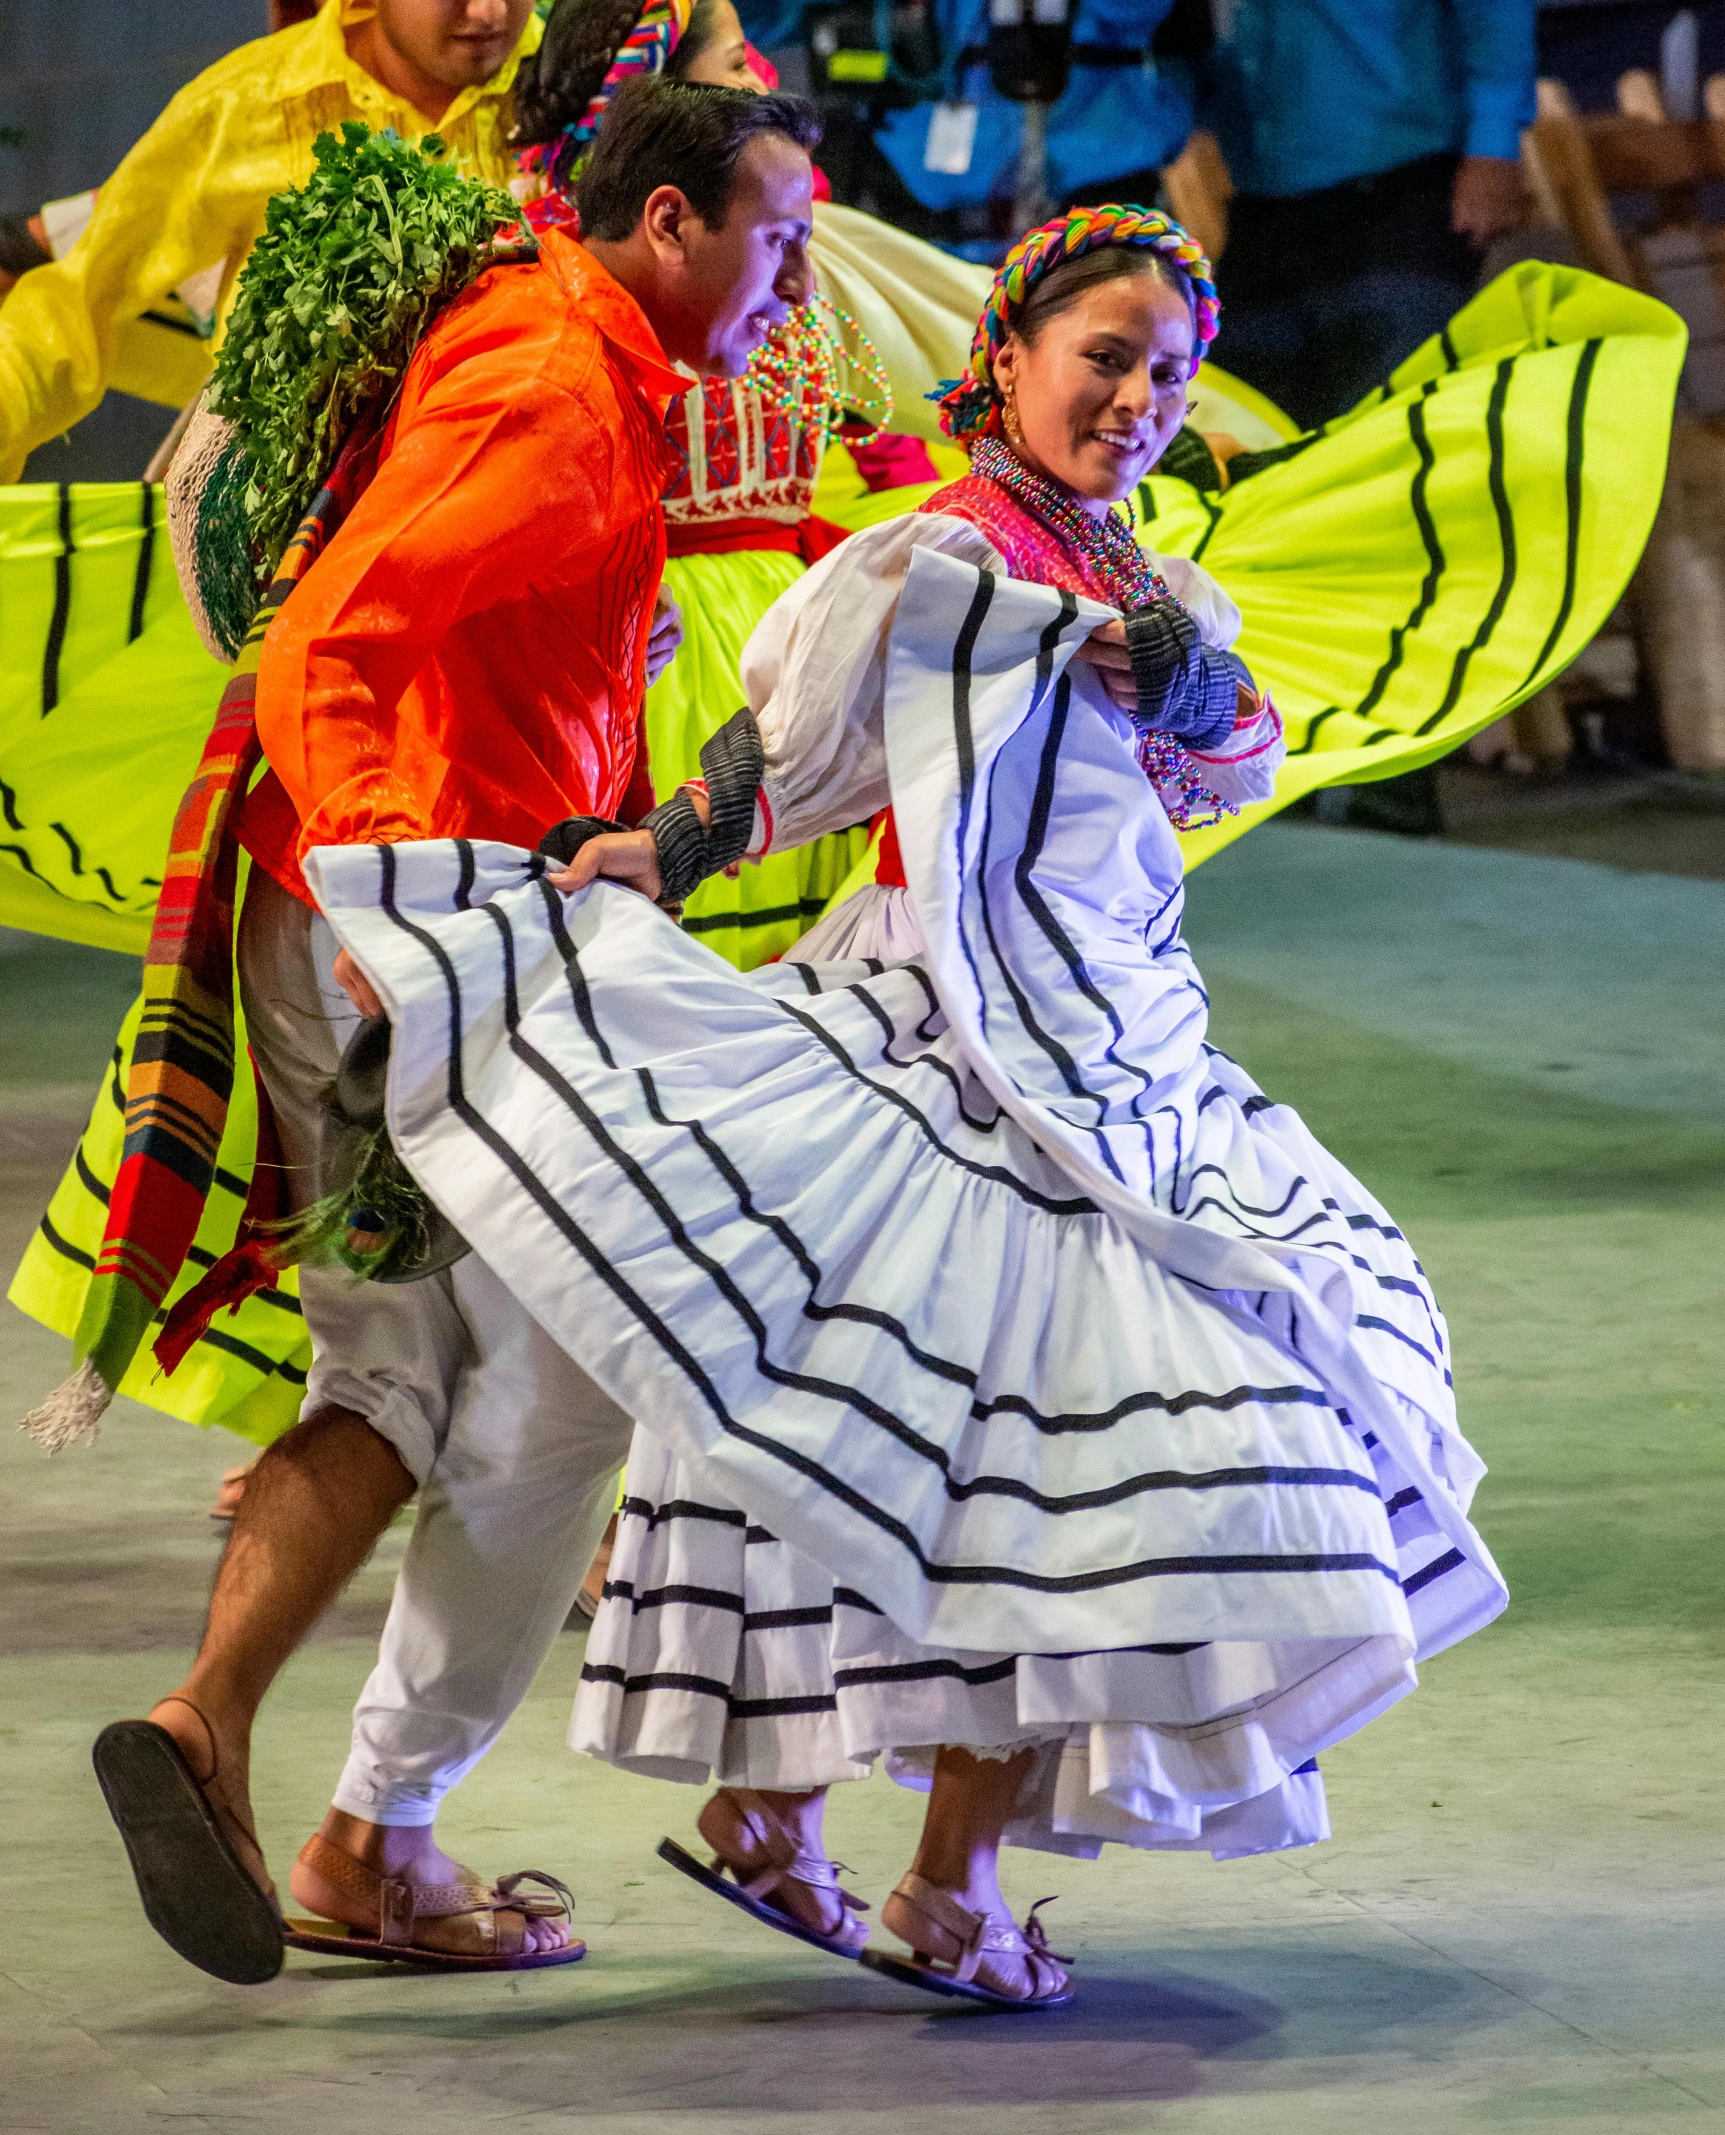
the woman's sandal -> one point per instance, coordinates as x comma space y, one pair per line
198, 1893
468, 1926
970, 1944
754, 1858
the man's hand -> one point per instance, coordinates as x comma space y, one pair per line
358, 988
626, 856
1489, 199
665, 636
1105, 650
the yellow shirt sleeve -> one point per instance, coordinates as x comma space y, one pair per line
190, 194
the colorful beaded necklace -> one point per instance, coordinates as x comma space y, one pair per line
1113, 560
815, 361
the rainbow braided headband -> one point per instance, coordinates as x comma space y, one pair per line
644, 51
966, 404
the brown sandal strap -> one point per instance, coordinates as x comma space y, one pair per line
399, 1903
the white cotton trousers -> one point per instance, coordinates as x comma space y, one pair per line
515, 1450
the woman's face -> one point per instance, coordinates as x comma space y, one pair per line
723, 60
1102, 392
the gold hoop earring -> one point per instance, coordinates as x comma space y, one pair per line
1009, 420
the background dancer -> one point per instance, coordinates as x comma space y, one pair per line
466, 655
186, 206
1015, 1377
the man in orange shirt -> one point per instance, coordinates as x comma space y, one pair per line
465, 659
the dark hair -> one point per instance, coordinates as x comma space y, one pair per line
562, 78
582, 38
1061, 287
687, 134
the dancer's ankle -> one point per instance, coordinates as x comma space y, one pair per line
383, 1847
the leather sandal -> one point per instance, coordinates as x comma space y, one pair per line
468, 1926
979, 1954
754, 1857
197, 1891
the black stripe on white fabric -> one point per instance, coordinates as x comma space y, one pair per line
759, 1620
1494, 437
663, 1597
963, 649
807, 1267
753, 1534
1450, 1561
944, 1068
848, 1597
1063, 1061
1160, 1404
928, 1671
1079, 1205
703, 1686
1574, 455
1368, 1319
780, 1708
812, 1470
1024, 867
855, 1397
681, 1508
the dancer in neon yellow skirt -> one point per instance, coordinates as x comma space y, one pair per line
1406, 575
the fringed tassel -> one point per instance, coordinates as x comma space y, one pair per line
72, 1413
235, 1277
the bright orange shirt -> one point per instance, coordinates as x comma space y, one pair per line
467, 657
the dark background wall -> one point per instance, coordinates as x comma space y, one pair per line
80, 80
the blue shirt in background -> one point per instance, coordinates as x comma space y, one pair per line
1305, 94
1112, 119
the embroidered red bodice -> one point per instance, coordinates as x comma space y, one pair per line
1032, 549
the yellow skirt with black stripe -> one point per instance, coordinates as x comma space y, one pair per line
1407, 575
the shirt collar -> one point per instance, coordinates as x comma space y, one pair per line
327, 60
603, 299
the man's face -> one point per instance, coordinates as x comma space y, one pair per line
743, 279
458, 44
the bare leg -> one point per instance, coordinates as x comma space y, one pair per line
950, 1908
753, 1831
968, 1806
313, 1508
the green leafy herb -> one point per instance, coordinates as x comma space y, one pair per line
331, 302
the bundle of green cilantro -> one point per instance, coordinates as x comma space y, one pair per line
331, 302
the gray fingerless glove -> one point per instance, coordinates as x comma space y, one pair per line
1184, 689
690, 850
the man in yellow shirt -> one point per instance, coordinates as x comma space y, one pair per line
188, 203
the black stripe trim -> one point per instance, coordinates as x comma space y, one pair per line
693, 1371
1572, 467
1448, 1562
763, 916
146, 558
1506, 538
62, 615
64, 1246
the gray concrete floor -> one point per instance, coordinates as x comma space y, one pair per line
1518, 1923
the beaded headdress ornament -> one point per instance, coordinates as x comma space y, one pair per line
966, 404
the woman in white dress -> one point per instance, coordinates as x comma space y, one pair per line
1025, 1397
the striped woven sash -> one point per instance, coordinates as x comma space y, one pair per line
182, 1072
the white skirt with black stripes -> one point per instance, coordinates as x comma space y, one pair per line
1071, 1393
